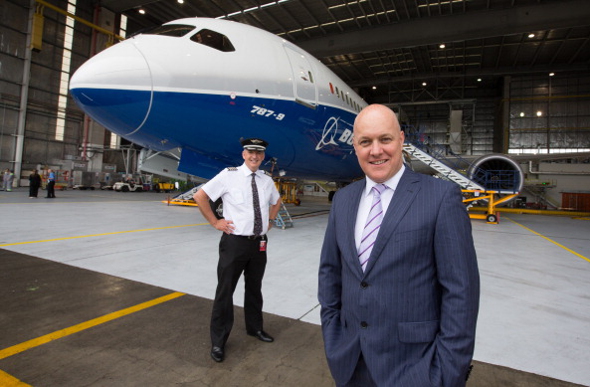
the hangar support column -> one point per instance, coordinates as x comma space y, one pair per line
24, 96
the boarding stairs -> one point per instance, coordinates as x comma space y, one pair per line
284, 219
443, 170
184, 198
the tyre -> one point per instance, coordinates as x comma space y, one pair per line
217, 208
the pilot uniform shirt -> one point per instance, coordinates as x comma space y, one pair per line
234, 186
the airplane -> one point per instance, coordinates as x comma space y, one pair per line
200, 84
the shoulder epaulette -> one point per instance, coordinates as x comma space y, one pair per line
232, 168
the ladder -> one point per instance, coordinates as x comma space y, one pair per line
284, 219
444, 170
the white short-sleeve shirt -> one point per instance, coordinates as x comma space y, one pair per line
234, 186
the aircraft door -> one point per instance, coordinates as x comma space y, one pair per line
304, 86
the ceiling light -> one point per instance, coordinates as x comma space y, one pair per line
142, 11
424, 83
374, 87
442, 45
551, 74
180, 1
522, 114
539, 113
531, 35
479, 79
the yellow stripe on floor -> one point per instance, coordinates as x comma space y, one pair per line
103, 234
85, 325
550, 240
7, 380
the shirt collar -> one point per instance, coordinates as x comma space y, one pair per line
391, 183
246, 171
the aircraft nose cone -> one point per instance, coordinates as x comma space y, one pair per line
115, 88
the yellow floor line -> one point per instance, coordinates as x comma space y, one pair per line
550, 240
85, 325
7, 380
96, 235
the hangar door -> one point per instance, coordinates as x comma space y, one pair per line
304, 85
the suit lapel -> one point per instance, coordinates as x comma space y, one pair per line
356, 190
404, 195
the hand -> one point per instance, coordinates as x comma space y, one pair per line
270, 224
227, 226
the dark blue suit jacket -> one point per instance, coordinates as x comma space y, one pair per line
413, 312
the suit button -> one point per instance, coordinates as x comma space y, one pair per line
364, 284
364, 324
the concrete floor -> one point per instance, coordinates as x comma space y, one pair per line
101, 288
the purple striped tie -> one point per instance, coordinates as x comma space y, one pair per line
371, 226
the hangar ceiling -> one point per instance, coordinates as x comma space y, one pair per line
407, 51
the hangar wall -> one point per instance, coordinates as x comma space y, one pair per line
41, 89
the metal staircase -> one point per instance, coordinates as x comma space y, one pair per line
284, 219
443, 170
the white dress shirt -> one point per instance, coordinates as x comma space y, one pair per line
234, 186
367, 200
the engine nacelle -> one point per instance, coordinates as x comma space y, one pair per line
497, 172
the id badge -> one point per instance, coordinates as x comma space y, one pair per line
262, 245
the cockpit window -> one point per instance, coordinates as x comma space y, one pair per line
214, 40
176, 30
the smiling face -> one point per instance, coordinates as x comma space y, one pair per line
253, 159
378, 142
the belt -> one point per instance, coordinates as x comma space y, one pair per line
251, 237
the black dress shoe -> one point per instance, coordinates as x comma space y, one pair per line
217, 354
262, 336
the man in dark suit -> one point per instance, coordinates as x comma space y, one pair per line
398, 277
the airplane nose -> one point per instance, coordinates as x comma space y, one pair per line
115, 88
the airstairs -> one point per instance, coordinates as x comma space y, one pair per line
492, 173
489, 185
184, 198
443, 169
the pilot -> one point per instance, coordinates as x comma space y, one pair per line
250, 203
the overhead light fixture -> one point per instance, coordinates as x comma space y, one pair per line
374, 87
539, 113
180, 1
551, 74
442, 45
424, 83
531, 35
522, 114
141, 11
479, 79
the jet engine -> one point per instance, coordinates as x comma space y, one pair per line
497, 172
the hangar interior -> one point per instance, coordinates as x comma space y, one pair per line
514, 74
473, 76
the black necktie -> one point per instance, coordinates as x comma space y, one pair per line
256, 201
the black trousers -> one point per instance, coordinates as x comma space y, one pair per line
33, 191
51, 189
237, 255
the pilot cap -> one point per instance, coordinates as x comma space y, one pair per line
255, 144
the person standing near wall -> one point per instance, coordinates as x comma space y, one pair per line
7, 180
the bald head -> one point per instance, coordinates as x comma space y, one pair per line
378, 142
